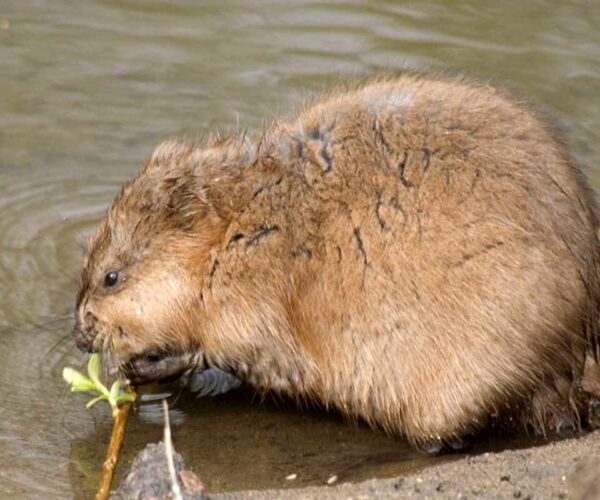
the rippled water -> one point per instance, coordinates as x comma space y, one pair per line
87, 89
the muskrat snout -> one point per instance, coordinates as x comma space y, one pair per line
84, 337
155, 366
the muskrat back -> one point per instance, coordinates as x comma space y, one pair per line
417, 252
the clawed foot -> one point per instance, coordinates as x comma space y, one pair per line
438, 446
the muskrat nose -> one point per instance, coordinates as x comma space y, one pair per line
83, 333
82, 341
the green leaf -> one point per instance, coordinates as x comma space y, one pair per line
77, 381
125, 396
92, 402
94, 373
81, 383
93, 368
114, 393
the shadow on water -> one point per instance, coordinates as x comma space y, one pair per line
235, 442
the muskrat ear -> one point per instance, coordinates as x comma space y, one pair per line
169, 151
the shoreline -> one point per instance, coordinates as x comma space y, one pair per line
569, 468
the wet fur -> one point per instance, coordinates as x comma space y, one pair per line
416, 252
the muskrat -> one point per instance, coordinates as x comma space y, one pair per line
420, 253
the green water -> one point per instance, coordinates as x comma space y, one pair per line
87, 88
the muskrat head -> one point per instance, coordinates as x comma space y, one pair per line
143, 270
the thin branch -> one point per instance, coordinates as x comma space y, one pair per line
120, 415
175, 489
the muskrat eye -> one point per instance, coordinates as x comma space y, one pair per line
111, 278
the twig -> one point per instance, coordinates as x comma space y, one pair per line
120, 401
175, 489
120, 415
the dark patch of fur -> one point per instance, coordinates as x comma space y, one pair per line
262, 232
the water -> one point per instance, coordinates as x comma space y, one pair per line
88, 88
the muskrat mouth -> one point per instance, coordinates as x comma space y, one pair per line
156, 366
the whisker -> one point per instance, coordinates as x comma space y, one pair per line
60, 403
56, 318
107, 356
59, 343
68, 353
46, 326
177, 396
127, 367
113, 364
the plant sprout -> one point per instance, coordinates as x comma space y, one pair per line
120, 402
91, 383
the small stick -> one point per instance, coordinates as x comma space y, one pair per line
120, 415
175, 489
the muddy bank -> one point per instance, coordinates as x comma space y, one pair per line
564, 469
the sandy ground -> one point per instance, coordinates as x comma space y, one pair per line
563, 469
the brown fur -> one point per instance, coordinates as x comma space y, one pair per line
420, 253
